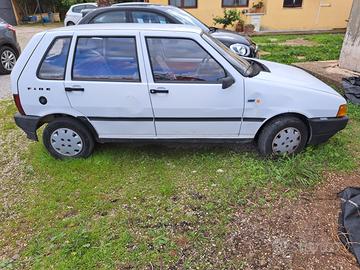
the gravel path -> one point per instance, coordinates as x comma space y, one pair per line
24, 34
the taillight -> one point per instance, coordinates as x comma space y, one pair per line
10, 27
18, 104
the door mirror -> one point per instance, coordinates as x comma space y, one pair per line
227, 82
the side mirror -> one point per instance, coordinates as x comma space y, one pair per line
227, 82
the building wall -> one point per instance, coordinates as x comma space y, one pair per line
313, 15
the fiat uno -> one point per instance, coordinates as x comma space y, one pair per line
109, 83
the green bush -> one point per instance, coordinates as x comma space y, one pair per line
230, 17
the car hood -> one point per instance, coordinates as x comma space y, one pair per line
290, 75
230, 37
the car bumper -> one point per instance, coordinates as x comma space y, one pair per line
323, 129
29, 124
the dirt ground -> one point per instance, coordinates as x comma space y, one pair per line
299, 234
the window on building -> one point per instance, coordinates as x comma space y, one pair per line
106, 58
293, 3
54, 64
183, 3
235, 3
181, 60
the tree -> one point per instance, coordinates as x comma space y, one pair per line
103, 3
350, 54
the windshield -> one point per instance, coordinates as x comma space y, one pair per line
185, 18
239, 63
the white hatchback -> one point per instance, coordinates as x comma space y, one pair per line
108, 83
74, 14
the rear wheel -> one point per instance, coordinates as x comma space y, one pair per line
68, 138
8, 58
283, 136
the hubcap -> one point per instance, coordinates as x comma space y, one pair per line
8, 60
66, 142
286, 141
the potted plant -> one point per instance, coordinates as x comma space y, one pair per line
249, 28
240, 26
229, 18
258, 7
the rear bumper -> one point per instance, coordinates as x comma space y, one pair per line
29, 124
323, 129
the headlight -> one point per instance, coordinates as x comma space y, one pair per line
240, 49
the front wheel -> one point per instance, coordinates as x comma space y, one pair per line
68, 138
283, 136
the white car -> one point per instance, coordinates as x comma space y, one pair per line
74, 15
120, 82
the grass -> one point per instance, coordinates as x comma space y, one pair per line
145, 207
326, 47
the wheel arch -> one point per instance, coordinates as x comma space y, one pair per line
293, 114
8, 44
83, 120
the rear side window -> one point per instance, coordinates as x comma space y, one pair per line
148, 17
53, 65
78, 9
182, 60
110, 17
106, 58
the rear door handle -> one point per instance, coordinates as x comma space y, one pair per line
74, 89
158, 91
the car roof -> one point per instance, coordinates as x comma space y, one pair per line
130, 26
134, 4
81, 4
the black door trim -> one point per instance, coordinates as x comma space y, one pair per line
178, 119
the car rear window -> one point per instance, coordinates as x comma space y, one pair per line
78, 9
53, 65
106, 58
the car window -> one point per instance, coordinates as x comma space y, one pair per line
106, 58
148, 17
53, 64
182, 60
78, 9
90, 7
110, 17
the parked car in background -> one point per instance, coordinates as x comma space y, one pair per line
74, 15
9, 47
167, 14
120, 82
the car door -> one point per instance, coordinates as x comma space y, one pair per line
106, 82
186, 87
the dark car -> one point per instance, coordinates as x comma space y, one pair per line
9, 47
152, 13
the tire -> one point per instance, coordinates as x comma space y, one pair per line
286, 135
70, 23
6, 63
68, 138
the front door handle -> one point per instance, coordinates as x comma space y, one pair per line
74, 89
158, 91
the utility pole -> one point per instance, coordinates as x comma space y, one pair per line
350, 54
